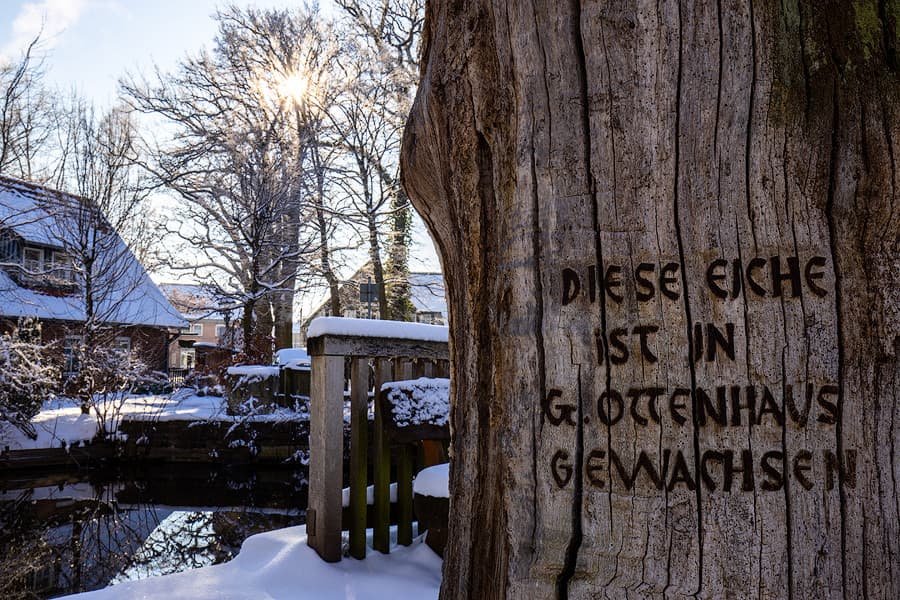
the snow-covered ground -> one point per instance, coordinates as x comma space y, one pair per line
60, 421
278, 565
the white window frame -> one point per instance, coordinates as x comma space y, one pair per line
62, 269
39, 263
122, 343
221, 330
197, 329
69, 342
187, 353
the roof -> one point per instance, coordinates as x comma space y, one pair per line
427, 293
193, 301
133, 298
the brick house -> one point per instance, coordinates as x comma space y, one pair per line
207, 327
40, 279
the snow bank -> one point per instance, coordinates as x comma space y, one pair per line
263, 372
278, 565
370, 495
377, 328
419, 401
60, 422
433, 481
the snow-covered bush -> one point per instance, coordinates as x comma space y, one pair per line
27, 378
106, 378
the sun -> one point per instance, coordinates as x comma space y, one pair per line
294, 87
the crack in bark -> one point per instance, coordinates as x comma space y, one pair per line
538, 275
571, 559
829, 215
687, 304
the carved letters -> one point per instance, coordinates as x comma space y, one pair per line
797, 404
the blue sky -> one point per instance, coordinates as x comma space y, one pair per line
89, 44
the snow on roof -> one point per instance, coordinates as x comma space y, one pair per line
377, 328
133, 299
257, 371
193, 301
293, 358
427, 293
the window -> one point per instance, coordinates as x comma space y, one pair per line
220, 331
62, 267
71, 352
430, 317
122, 344
197, 329
188, 358
33, 260
349, 313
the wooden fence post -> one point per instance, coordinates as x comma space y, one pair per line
326, 456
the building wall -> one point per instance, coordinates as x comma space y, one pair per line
178, 355
149, 343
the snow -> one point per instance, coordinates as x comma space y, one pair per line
260, 371
60, 421
433, 481
133, 299
286, 355
377, 328
419, 401
426, 292
205, 345
370, 495
296, 359
279, 565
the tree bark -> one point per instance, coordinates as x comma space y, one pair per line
670, 236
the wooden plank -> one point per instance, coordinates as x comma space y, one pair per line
326, 421
359, 447
357, 346
403, 369
427, 368
405, 495
381, 538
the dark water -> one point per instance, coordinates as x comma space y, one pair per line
62, 533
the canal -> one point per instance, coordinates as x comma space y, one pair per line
70, 531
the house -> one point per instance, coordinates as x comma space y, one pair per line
207, 327
426, 293
40, 276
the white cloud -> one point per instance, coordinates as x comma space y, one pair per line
49, 18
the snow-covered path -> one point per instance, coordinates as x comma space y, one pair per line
278, 565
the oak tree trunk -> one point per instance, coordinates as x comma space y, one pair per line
669, 232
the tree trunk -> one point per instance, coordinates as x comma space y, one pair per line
670, 239
377, 267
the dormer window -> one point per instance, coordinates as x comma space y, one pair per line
33, 261
61, 268
42, 268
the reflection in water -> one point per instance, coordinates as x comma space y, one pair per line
61, 534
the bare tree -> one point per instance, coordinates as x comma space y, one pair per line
387, 36
98, 167
236, 162
26, 111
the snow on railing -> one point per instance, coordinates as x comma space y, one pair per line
377, 352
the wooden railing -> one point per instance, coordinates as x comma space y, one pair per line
372, 361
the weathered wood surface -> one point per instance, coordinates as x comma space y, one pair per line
326, 456
721, 178
339, 345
